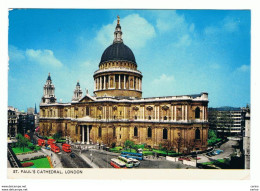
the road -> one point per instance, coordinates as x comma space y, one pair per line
67, 161
227, 151
102, 159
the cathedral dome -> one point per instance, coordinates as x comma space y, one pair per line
118, 51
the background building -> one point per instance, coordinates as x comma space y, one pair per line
227, 121
246, 139
12, 121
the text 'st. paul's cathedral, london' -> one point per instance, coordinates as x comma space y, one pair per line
117, 112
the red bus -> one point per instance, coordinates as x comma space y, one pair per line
50, 141
41, 142
116, 163
66, 148
55, 148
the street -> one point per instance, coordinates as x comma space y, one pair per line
102, 159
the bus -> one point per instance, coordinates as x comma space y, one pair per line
66, 148
55, 148
41, 142
50, 141
138, 156
135, 162
128, 162
116, 163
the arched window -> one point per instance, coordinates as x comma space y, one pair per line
149, 132
135, 132
149, 117
165, 134
135, 117
197, 113
100, 132
87, 110
197, 134
165, 118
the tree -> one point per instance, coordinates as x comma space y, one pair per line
167, 146
129, 144
21, 141
57, 136
178, 142
190, 144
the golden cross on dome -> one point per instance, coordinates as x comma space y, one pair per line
118, 19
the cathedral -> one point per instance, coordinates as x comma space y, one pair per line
117, 111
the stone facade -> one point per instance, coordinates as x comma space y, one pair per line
117, 112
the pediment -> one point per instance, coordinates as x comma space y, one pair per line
86, 99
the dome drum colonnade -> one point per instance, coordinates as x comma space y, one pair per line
118, 71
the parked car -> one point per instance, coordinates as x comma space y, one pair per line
72, 155
209, 154
217, 152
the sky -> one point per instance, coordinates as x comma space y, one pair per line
179, 52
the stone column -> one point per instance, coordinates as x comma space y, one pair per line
114, 81
140, 85
172, 113
100, 83
119, 86
203, 113
124, 82
104, 82
87, 134
154, 112
175, 113
158, 112
186, 112
83, 133
129, 84
182, 112
95, 85
109, 82
143, 112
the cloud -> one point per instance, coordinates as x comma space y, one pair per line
15, 54
183, 41
164, 24
227, 25
136, 32
163, 79
243, 68
43, 57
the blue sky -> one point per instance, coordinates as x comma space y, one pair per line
179, 52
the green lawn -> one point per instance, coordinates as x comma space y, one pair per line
145, 151
18, 150
39, 163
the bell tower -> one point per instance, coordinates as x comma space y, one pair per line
49, 91
77, 93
